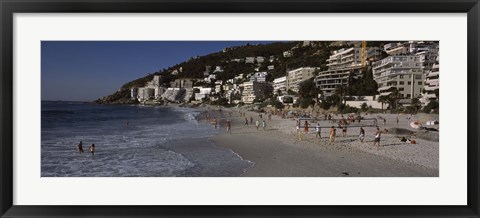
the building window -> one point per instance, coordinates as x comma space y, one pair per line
420, 83
418, 76
402, 83
409, 83
401, 76
408, 95
401, 89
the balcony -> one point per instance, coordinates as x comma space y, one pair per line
385, 88
432, 82
431, 88
432, 74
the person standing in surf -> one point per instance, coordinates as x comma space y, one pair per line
80, 147
92, 149
229, 127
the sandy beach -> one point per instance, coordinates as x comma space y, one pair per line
277, 152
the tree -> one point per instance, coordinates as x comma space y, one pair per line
431, 106
382, 99
393, 97
278, 104
364, 106
291, 92
279, 92
416, 104
287, 100
340, 91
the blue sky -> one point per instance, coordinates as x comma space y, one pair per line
87, 70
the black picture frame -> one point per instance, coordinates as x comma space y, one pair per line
9, 7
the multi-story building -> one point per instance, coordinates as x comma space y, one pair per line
343, 64
295, 77
152, 89
432, 84
145, 93
409, 47
404, 73
182, 83
259, 77
253, 90
396, 48
280, 85
250, 60
133, 93
350, 57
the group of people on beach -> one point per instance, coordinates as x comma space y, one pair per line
333, 132
91, 148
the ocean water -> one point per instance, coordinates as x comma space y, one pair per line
158, 141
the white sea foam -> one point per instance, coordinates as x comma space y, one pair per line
152, 144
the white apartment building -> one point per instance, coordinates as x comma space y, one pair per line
250, 60
253, 90
341, 64
408, 48
295, 77
280, 84
431, 84
350, 57
151, 90
404, 73
260, 59
259, 77
329, 80
133, 93
218, 69
145, 93
396, 48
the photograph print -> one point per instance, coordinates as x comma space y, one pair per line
240, 108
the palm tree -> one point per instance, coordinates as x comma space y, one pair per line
279, 92
340, 91
382, 99
393, 97
416, 104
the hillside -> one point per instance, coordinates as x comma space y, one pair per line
314, 55
281, 56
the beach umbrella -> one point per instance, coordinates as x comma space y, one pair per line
415, 125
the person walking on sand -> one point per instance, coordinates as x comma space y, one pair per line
318, 131
384, 121
332, 134
246, 122
397, 120
305, 126
80, 147
92, 149
257, 124
378, 135
362, 134
251, 120
215, 122
264, 125
229, 127
344, 131
299, 133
